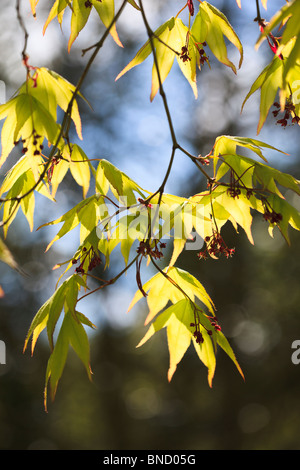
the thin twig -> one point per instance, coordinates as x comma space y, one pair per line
161, 89
110, 281
23, 27
258, 17
196, 161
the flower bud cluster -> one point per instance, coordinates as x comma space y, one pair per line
184, 55
272, 216
146, 249
93, 258
36, 138
196, 324
289, 112
215, 246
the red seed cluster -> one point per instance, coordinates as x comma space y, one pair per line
215, 246
93, 258
289, 113
35, 141
272, 216
145, 249
234, 192
196, 324
214, 323
55, 160
184, 55
191, 7
203, 57
144, 202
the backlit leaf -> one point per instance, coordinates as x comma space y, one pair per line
177, 319
290, 215
106, 11
165, 58
57, 9
224, 344
56, 363
273, 79
145, 50
22, 113
71, 219
179, 334
73, 334
239, 210
206, 354
21, 188
226, 145
52, 90
120, 184
187, 67
80, 15
8, 258
164, 288
216, 27
80, 168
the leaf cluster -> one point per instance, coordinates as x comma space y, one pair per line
116, 212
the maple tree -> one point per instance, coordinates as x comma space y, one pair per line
120, 214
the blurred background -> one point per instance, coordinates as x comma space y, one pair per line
130, 404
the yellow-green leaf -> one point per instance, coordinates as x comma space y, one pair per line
178, 246
179, 334
206, 354
171, 287
145, 50
177, 319
120, 184
80, 15
106, 11
239, 210
269, 90
165, 58
189, 67
224, 344
53, 90
57, 9
80, 169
